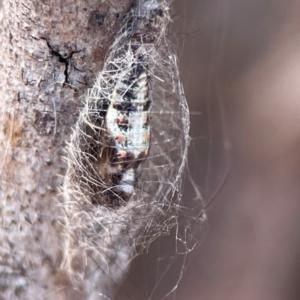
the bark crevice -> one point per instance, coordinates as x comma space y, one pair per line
64, 59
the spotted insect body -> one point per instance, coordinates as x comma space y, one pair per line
127, 117
127, 121
114, 129
126, 110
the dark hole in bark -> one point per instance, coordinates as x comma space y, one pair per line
99, 18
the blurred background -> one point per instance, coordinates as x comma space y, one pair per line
240, 66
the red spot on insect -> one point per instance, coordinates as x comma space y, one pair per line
120, 120
122, 154
120, 139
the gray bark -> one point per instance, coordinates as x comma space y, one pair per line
50, 54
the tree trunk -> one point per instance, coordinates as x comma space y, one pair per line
50, 51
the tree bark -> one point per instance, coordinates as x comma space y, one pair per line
50, 51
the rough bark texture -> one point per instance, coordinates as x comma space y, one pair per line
50, 53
